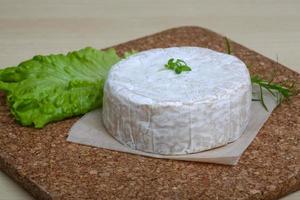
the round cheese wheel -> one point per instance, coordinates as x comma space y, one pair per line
151, 108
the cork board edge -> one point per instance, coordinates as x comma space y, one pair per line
29, 185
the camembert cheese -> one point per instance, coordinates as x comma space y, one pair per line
150, 108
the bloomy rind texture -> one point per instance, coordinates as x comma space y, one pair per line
142, 113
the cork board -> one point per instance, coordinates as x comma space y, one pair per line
49, 167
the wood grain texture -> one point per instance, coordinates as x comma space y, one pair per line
39, 27
49, 167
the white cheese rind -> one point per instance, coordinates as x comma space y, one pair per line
155, 110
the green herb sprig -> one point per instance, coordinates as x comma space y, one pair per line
282, 92
277, 90
228, 46
177, 65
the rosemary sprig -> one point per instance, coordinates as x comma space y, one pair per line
228, 46
177, 65
281, 92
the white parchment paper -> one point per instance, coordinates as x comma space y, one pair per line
89, 130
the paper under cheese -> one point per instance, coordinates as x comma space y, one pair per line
150, 108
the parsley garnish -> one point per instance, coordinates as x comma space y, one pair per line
177, 65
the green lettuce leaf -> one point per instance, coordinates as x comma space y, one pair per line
51, 88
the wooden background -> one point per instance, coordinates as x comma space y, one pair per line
35, 27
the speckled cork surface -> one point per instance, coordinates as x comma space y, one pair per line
50, 168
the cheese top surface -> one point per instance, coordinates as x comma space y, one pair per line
146, 79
